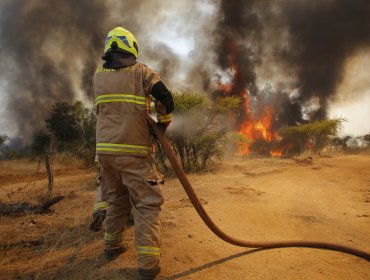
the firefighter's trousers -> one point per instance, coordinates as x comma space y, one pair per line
100, 203
133, 182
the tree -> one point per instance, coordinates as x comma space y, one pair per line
341, 143
312, 135
365, 139
74, 129
42, 146
40, 142
240, 143
262, 147
198, 134
3, 139
321, 131
64, 124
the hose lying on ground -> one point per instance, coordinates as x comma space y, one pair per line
238, 242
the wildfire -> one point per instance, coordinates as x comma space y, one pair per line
277, 153
251, 128
254, 129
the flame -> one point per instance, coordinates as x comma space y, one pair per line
252, 127
260, 128
276, 153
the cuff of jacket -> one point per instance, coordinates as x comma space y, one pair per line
164, 118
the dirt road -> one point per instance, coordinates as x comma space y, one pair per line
262, 199
328, 200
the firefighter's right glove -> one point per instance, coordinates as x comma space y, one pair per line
163, 126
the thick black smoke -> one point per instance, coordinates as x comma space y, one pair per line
324, 34
48, 48
238, 32
311, 39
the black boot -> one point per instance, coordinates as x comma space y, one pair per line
112, 254
145, 274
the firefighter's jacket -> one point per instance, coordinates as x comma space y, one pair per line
122, 100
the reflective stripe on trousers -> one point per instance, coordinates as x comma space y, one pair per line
113, 238
100, 205
147, 250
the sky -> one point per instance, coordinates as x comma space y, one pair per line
184, 41
353, 98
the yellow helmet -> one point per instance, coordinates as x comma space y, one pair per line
122, 39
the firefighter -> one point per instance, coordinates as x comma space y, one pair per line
123, 90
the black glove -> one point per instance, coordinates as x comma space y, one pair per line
162, 126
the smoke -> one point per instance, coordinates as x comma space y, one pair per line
48, 53
50, 50
285, 53
324, 35
298, 46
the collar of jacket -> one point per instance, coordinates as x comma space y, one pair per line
118, 60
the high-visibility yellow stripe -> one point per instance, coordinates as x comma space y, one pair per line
113, 237
164, 118
100, 205
122, 100
102, 69
147, 250
118, 97
123, 148
121, 95
120, 145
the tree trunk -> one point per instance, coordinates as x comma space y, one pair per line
48, 165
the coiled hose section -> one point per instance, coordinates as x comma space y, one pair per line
227, 238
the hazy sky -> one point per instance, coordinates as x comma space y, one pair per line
353, 102
182, 40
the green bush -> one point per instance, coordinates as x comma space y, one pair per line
198, 135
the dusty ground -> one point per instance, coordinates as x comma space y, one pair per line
262, 199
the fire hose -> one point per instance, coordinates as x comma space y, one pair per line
227, 238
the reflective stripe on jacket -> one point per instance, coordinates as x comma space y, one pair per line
122, 97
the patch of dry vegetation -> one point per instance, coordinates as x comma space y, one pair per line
29, 166
48, 246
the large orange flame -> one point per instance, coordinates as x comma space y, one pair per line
252, 128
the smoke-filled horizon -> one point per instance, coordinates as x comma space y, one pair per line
288, 54
311, 39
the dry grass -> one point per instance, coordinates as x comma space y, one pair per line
29, 166
25, 179
58, 245
18, 167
